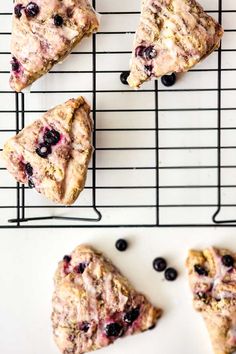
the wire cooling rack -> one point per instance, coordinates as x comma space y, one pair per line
163, 157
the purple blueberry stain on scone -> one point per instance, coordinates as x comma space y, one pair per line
15, 65
84, 326
80, 268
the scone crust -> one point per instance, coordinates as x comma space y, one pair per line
37, 44
179, 33
97, 296
61, 176
214, 295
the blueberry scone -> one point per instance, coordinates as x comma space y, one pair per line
93, 304
52, 154
212, 275
44, 33
172, 36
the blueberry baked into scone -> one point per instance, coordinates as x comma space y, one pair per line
44, 32
93, 304
212, 275
52, 153
172, 36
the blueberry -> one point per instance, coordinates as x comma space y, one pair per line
227, 260
67, 259
152, 327
114, 330
51, 137
171, 274
17, 10
121, 245
124, 76
150, 53
200, 270
43, 150
84, 326
15, 65
201, 295
31, 183
58, 20
31, 9
148, 69
168, 80
132, 316
139, 51
29, 169
81, 268
159, 264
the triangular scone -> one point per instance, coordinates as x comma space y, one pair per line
212, 275
172, 36
44, 33
93, 304
52, 154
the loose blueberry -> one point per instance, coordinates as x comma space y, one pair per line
58, 20
159, 264
200, 270
148, 69
139, 51
29, 169
51, 137
80, 268
32, 9
84, 327
124, 76
43, 150
17, 10
67, 259
132, 316
15, 65
121, 245
168, 80
31, 183
227, 260
150, 53
114, 330
171, 274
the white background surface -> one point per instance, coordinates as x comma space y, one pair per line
28, 261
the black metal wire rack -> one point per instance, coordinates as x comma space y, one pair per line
163, 157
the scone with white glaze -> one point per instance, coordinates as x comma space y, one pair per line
52, 154
44, 32
94, 305
172, 36
212, 276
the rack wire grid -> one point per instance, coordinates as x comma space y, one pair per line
163, 156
